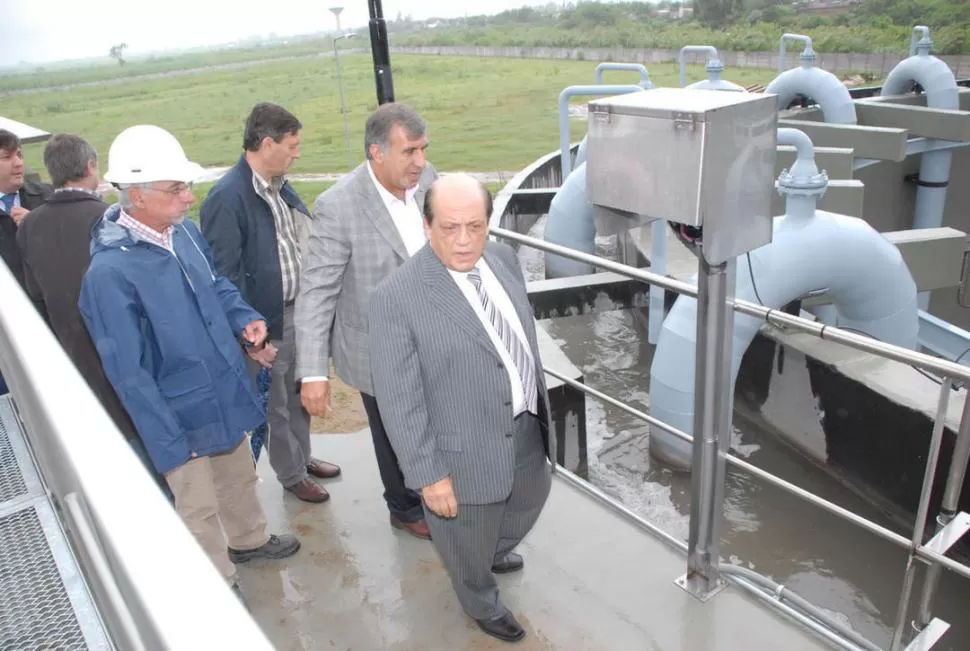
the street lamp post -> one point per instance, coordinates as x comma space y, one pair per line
343, 104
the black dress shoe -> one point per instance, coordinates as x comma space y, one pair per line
511, 562
504, 628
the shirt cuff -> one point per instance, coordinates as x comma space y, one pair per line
315, 378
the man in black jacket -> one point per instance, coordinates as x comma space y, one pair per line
251, 219
17, 197
54, 244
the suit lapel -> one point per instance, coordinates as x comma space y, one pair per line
444, 293
373, 206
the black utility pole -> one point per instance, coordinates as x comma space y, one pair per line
380, 52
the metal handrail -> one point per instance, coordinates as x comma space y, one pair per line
147, 574
924, 553
948, 370
775, 317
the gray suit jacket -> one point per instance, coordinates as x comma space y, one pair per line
442, 388
351, 246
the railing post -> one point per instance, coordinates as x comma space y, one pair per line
932, 457
713, 402
948, 509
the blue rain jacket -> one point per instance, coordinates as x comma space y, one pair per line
166, 329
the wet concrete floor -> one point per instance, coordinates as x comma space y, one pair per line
592, 580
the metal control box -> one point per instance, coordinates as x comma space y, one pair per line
698, 157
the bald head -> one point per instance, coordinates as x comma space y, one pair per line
456, 212
453, 188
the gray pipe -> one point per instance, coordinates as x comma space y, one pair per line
632, 67
808, 54
941, 91
821, 86
570, 223
781, 593
578, 91
711, 56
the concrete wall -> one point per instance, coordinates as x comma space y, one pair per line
878, 64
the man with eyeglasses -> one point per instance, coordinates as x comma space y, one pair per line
169, 332
54, 241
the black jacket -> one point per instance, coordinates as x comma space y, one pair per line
239, 226
54, 242
32, 195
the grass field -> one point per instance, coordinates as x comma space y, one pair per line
484, 114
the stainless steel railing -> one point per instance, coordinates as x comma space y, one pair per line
948, 371
154, 587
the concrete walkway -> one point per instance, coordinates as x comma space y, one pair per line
592, 581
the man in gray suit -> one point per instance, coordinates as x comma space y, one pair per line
363, 228
460, 385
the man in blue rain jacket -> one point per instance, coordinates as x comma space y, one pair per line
169, 332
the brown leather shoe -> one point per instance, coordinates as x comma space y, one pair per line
322, 469
417, 529
309, 491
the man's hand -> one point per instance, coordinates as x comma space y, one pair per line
315, 397
440, 498
255, 333
17, 214
265, 356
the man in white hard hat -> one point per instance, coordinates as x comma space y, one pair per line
169, 333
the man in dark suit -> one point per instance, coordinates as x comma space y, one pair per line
460, 386
55, 243
17, 197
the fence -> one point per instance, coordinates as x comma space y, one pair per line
875, 64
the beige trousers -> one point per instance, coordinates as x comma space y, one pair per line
216, 492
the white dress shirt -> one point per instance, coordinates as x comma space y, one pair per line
498, 296
406, 216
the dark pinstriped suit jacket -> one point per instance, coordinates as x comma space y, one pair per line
441, 386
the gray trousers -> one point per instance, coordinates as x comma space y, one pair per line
484, 533
288, 442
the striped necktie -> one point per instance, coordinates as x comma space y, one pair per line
515, 347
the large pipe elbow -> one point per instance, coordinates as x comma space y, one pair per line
864, 274
932, 74
821, 86
570, 223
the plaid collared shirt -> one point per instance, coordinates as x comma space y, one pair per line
150, 235
287, 243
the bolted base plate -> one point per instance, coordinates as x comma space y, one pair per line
699, 587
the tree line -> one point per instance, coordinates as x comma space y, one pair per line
869, 26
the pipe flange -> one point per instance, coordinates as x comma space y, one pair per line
807, 57
813, 185
714, 65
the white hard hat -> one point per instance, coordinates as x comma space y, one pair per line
146, 153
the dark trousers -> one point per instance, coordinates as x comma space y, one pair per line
402, 502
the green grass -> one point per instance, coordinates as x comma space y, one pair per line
484, 114
68, 72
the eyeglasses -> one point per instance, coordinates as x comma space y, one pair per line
175, 190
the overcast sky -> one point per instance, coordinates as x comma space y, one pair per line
50, 30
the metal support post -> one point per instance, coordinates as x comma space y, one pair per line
948, 510
380, 52
343, 103
712, 425
932, 457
